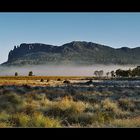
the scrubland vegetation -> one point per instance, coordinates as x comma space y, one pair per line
27, 106
65, 101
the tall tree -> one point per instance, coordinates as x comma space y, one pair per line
107, 74
112, 74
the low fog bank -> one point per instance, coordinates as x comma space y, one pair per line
41, 70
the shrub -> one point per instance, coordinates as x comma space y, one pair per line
13, 98
24, 120
20, 120
36, 96
4, 120
102, 117
109, 105
42, 80
52, 122
127, 104
39, 120
128, 123
35, 120
29, 109
66, 82
89, 82
87, 119
111, 108
4, 116
10, 102
26, 87
93, 108
4, 125
83, 119
65, 108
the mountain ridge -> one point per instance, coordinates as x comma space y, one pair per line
75, 52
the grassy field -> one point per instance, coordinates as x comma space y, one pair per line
39, 80
47, 104
36, 80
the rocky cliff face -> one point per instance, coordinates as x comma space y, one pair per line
76, 52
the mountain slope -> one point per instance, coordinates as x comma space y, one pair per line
76, 52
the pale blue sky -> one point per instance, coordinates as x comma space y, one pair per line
113, 29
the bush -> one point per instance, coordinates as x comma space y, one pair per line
13, 98
87, 119
29, 109
38, 120
89, 82
111, 108
20, 120
52, 123
4, 117
35, 120
128, 123
65, 108
24, 120
42, 80
127, 104
10, 102
102, 117
26, 87
35, 96
66, 82
5, 125
83, 119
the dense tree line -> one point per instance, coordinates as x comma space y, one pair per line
120, 73
128, 73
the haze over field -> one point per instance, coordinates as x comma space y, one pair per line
68, 70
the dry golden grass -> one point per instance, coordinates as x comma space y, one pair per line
24, 105
37, 80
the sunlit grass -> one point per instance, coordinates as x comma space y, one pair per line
27, 106
128, 123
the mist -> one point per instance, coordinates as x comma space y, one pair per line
45, 70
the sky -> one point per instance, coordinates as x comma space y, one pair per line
112, 29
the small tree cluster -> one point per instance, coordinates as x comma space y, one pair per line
99, 73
